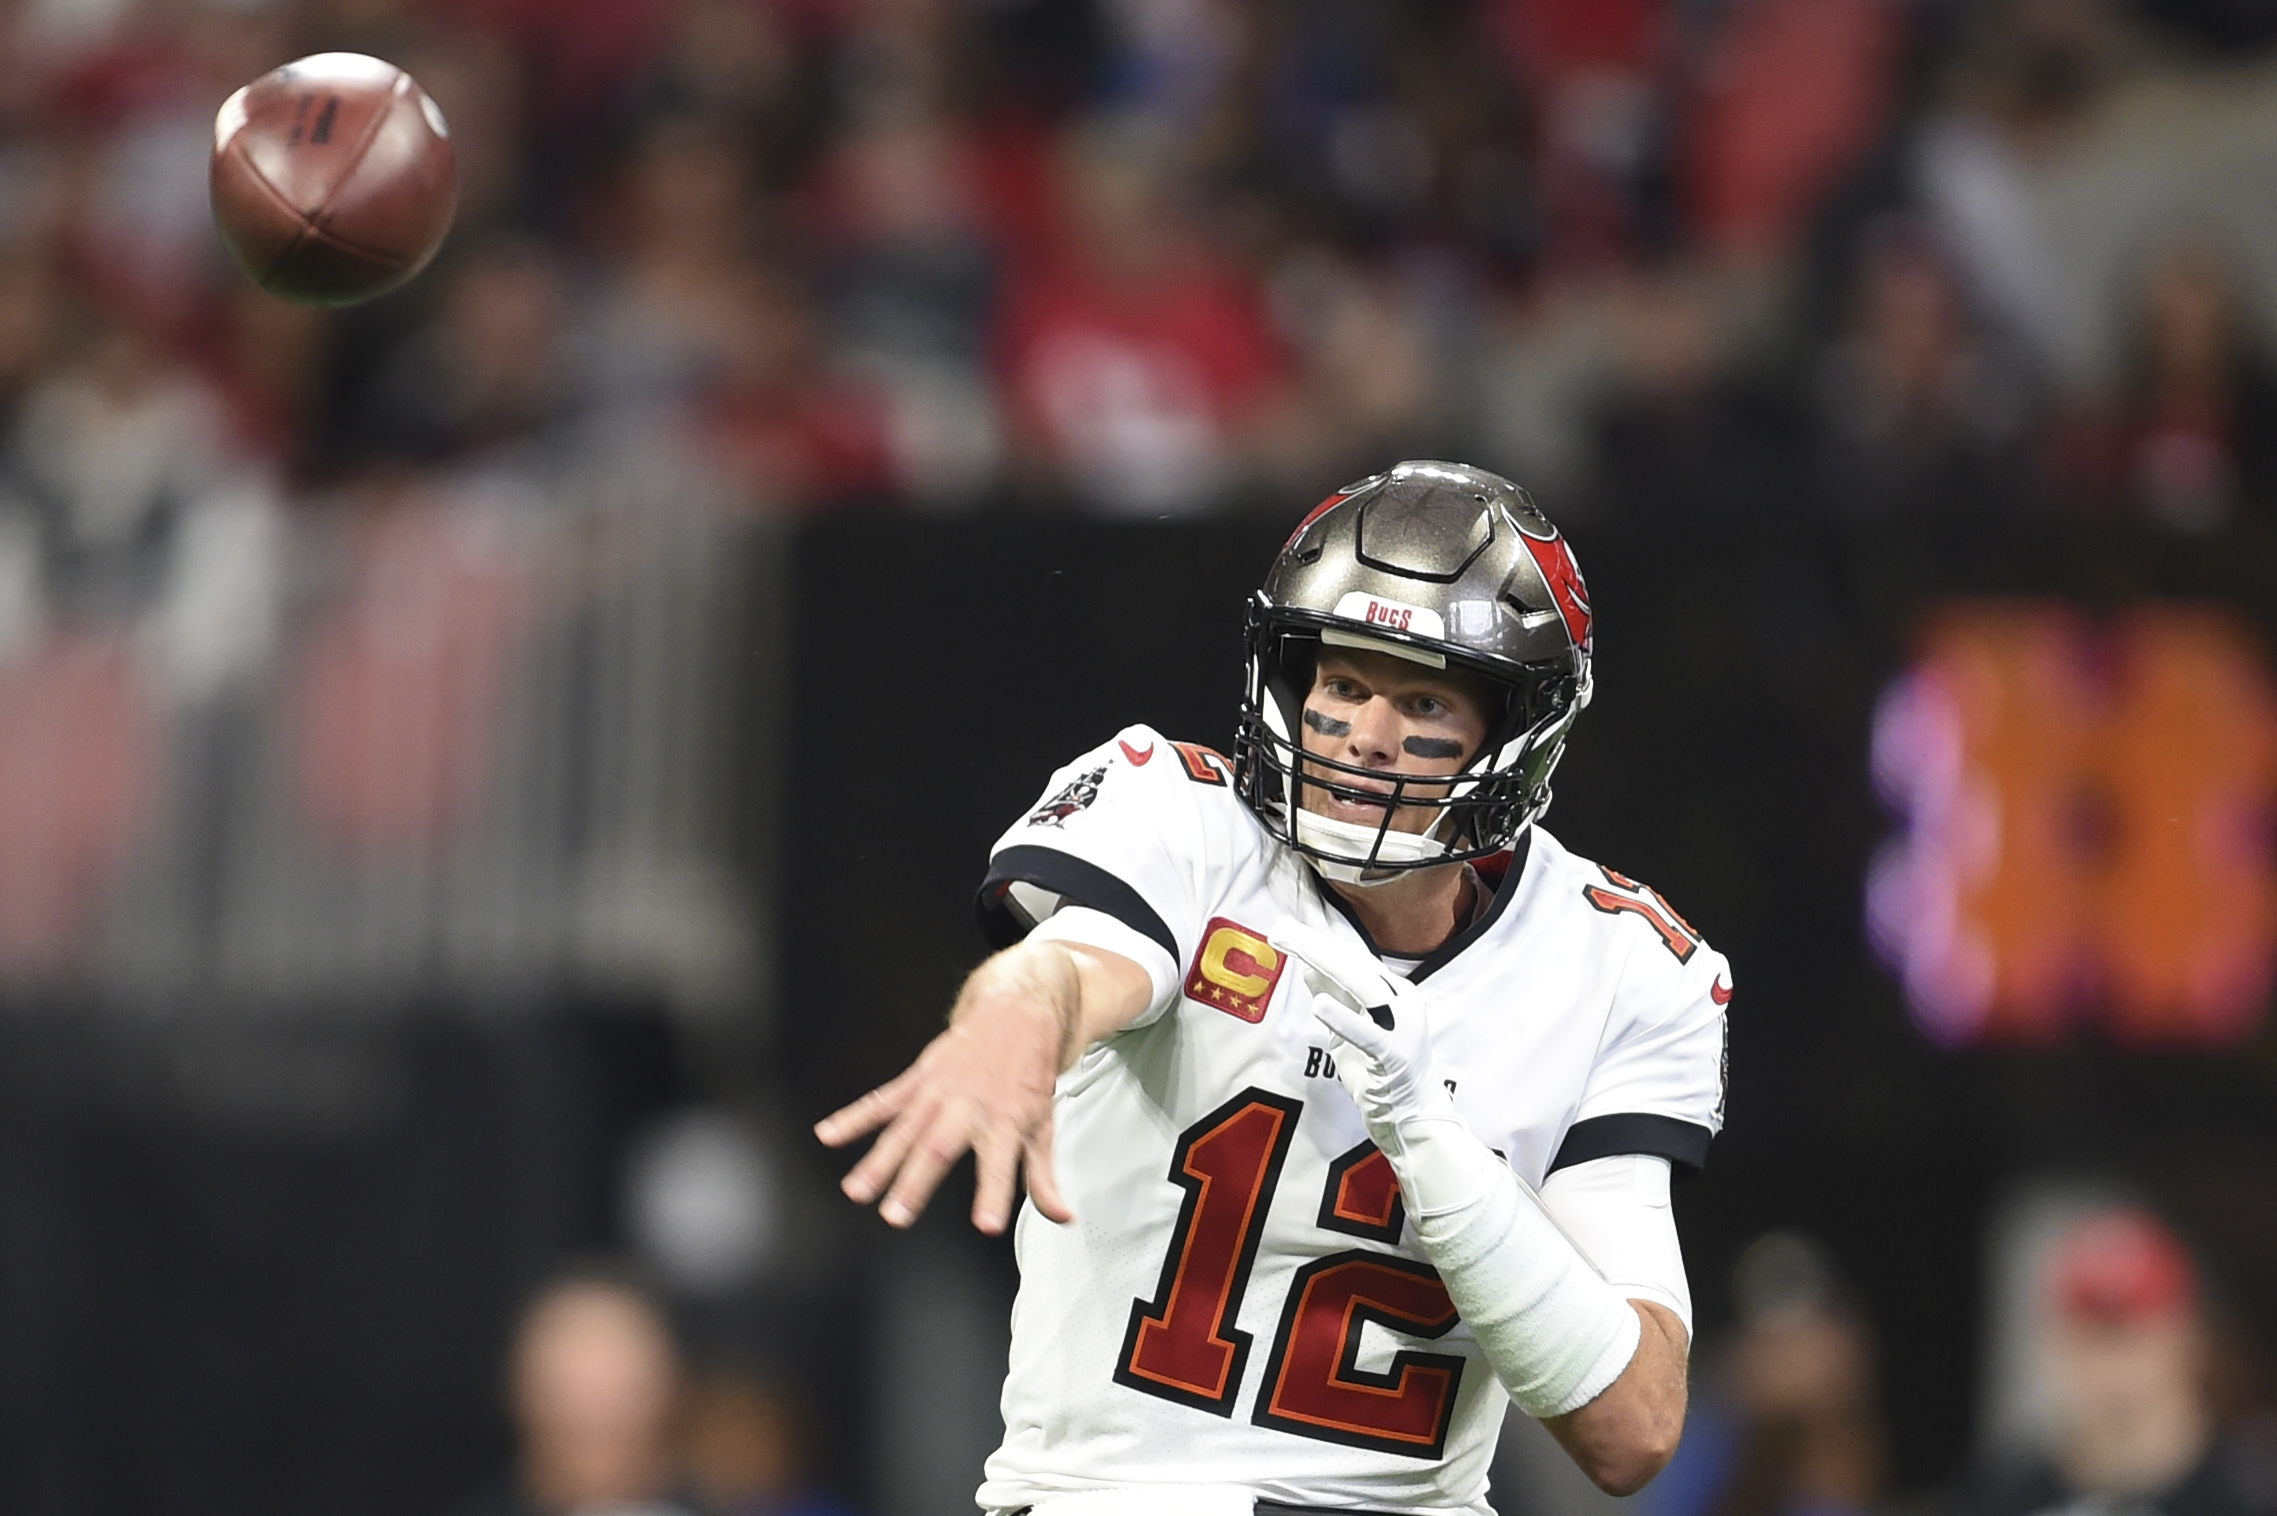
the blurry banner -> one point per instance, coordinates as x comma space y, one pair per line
482, 742
400, 681
2085, 827
77, 748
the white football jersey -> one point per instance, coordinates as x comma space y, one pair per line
1240, 1300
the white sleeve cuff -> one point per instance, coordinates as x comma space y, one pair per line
1086, 927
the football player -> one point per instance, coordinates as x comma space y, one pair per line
1347, 1099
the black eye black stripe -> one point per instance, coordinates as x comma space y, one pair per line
1328, 726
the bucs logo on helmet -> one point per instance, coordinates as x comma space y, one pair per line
1563, 576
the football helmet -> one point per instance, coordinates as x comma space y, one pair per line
1445, 565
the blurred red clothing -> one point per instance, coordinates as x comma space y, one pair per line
1107, 374
805, 448
77, 751
398, 690
1791, 93
1549, 39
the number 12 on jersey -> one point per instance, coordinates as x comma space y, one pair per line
1183, 1345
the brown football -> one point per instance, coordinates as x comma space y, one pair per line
332, 178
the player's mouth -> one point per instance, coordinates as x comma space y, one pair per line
1345, 807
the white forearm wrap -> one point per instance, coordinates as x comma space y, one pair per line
1554, 1331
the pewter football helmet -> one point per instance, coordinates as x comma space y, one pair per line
1449, 566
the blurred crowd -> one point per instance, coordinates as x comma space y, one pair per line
611, 1418
1658, 258
2122, 1380
1949, 283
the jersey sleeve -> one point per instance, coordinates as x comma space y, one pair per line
1119, 832
1657, 1086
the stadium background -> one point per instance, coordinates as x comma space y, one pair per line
481, 771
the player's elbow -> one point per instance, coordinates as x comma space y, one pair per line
1625, 1465
1627, 1434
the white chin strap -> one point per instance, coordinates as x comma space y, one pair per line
1352, 842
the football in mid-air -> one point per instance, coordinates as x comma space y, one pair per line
332, 178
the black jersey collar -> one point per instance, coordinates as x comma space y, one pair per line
1504, 892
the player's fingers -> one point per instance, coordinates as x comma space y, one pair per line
944, 1140
1340, 968
1043, 1183
867, 1114
996, 1163
1353, 1026
867, 1180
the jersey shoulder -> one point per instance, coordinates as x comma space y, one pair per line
1669, 963
1138, 770
1139, 827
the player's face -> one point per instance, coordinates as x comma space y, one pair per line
1378, 712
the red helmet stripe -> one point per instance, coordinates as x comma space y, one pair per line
1313, 515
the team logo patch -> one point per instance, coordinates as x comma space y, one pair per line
1235, 970
1076, 796
1563, 576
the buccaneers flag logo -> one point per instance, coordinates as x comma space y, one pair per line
1555, 560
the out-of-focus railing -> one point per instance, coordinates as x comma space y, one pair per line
475, 742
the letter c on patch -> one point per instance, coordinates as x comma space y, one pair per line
1220, 966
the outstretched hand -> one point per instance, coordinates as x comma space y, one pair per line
984, 1086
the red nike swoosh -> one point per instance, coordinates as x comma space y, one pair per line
1137, 756
1720, 993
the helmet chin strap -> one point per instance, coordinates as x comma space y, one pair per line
1401, 850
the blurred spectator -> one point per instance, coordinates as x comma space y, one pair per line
685, 237
2027, 73
109, 448
2123, 1361
1139, 367
1791, 92
899, 215
1687, 435
2203, 406
2190, 441
1918, 411
779, 419
478, 84
1786, 1422
743, 1451
266, 358
487, 374
1368, 380
1592, 65
594, 1383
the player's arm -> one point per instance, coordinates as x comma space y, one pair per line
985, 1084
1616, 1211
1630, 1431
